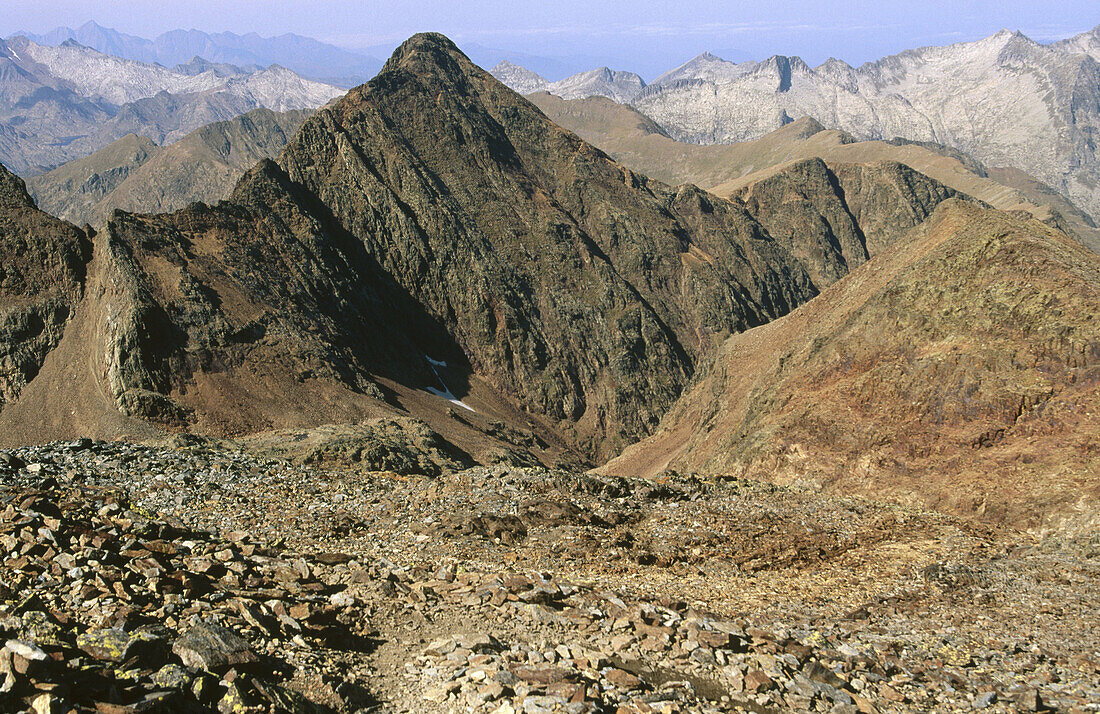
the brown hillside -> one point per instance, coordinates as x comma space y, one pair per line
961, 368
42, 272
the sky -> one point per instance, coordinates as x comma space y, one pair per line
646, 36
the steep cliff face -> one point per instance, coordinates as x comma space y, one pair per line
959, 368
432, 215
42, 272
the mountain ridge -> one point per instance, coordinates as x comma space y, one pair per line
1028, 106
135, 175
488, 237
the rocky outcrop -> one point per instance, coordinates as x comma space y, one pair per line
42, 275
958, 369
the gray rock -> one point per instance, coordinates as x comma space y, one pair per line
211, 647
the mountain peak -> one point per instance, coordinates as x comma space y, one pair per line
425, 51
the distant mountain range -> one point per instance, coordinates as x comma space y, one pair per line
603, 81
305, 56
1005, 100
65, 102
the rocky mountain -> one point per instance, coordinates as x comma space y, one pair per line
519, 78
603, 82
433, 251
134, 174
61, 103
1085, 43
640, 143
1005, 100
431, 239
958, 369
305, 56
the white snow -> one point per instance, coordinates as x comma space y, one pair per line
451, 398
445, 392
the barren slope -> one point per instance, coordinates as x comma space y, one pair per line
961, 369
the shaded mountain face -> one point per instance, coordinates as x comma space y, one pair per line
42, 275
65, 102
430, 213
134, 174
960, 368
1005, 100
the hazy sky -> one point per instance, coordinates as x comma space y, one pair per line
647, 36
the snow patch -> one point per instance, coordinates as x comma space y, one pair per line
451, 398
445, 392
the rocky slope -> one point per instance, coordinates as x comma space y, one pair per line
133, 174
833, 219
1085, 43
73, 190
960, 369
61, 103
199, 579
431, 213
640, 143
1006, 100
